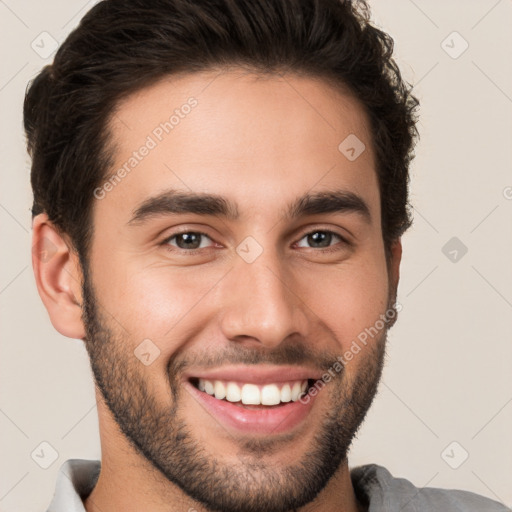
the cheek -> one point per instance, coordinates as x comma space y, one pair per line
153, 301
347, 299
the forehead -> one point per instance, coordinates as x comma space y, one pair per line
260, 140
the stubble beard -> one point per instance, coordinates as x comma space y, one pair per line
162, 436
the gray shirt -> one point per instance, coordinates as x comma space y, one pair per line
374, 486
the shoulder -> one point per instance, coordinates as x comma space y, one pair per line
75, 480
375, 486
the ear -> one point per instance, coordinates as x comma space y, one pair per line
58, 277
394, 267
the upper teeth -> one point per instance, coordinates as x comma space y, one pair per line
252, 394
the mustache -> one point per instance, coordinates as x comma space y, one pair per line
290, 354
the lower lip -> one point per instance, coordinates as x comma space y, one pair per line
271, 420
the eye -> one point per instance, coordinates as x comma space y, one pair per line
321, 239
188, 240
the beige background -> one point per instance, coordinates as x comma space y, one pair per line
448, 377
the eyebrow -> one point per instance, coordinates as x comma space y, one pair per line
182, 202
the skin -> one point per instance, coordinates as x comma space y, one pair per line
260, 142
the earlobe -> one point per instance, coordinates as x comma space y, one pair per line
394, 267
58, 277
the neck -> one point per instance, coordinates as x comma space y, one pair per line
124, 489
128, 482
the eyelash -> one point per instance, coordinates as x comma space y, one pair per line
329, 249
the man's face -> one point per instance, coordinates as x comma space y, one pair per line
254, 302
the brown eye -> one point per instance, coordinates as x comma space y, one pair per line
188, 240
320, 239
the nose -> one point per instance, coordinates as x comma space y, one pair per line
260, 304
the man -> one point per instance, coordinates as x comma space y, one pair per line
220, 189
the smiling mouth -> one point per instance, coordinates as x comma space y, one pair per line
254, 396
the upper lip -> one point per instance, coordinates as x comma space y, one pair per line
256, 374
